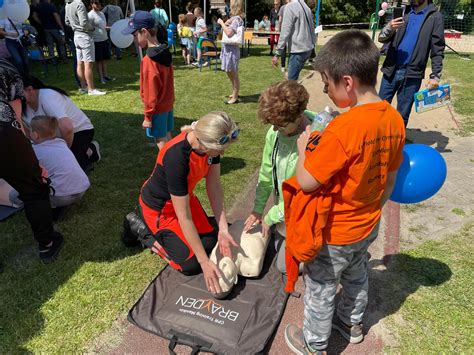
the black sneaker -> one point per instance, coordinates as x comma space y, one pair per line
129, 238
49, 254
295, 340
352, 333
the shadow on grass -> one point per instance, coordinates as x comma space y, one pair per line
389, 288
230, 164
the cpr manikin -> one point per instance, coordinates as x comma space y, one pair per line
247, 261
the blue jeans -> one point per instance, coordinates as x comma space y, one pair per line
404, 87
53, 36
19, 55
296, 64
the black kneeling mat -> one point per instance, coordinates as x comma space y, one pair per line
178, 308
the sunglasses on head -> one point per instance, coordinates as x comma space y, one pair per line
224, 139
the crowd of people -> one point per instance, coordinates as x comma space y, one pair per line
346, 173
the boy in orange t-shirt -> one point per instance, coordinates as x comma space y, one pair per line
156, 76
360, 151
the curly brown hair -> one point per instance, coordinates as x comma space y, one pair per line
282, 103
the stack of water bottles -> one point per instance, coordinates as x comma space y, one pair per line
321, 119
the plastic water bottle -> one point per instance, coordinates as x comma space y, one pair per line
277, 25
255, 25
322, 119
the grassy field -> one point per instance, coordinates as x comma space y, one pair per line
434, 283
64, 306
460, 73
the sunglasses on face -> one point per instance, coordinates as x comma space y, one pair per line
224, 139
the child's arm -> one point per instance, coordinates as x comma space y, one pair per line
265, 182
152, 86
307, 182
391, 178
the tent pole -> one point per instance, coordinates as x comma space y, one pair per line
171, 14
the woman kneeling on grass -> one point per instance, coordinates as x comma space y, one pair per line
176, 226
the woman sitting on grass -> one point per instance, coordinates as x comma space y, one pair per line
74, 126
176, 226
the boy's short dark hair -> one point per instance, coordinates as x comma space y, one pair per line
350, 52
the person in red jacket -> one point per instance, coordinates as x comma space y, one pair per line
156, 76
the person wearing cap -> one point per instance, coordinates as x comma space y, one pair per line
171, 221
156, 76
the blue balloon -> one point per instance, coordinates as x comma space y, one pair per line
421, 175
171, 26
1, 3
170, 37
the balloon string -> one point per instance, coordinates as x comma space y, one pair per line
453, 118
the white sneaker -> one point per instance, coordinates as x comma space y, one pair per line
195, 64
82, 91
95, 156
282, 69
96, 92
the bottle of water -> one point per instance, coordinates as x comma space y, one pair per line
322, 119
277, 25
255, 25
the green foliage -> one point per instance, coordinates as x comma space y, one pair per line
451, 9
340, 11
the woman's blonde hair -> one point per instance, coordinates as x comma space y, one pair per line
210, 128
237, 8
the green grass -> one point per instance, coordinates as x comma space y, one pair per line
458, 211
62, 307
432, 285
460, 73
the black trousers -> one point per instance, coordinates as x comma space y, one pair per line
20, 168
80, 144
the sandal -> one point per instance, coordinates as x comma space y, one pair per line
232, 102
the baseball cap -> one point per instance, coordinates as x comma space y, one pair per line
138, 20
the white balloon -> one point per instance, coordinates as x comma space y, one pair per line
118, 39
17, 10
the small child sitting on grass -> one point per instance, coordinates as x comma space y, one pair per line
282, 105
156, 76
355, 161
68, 181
